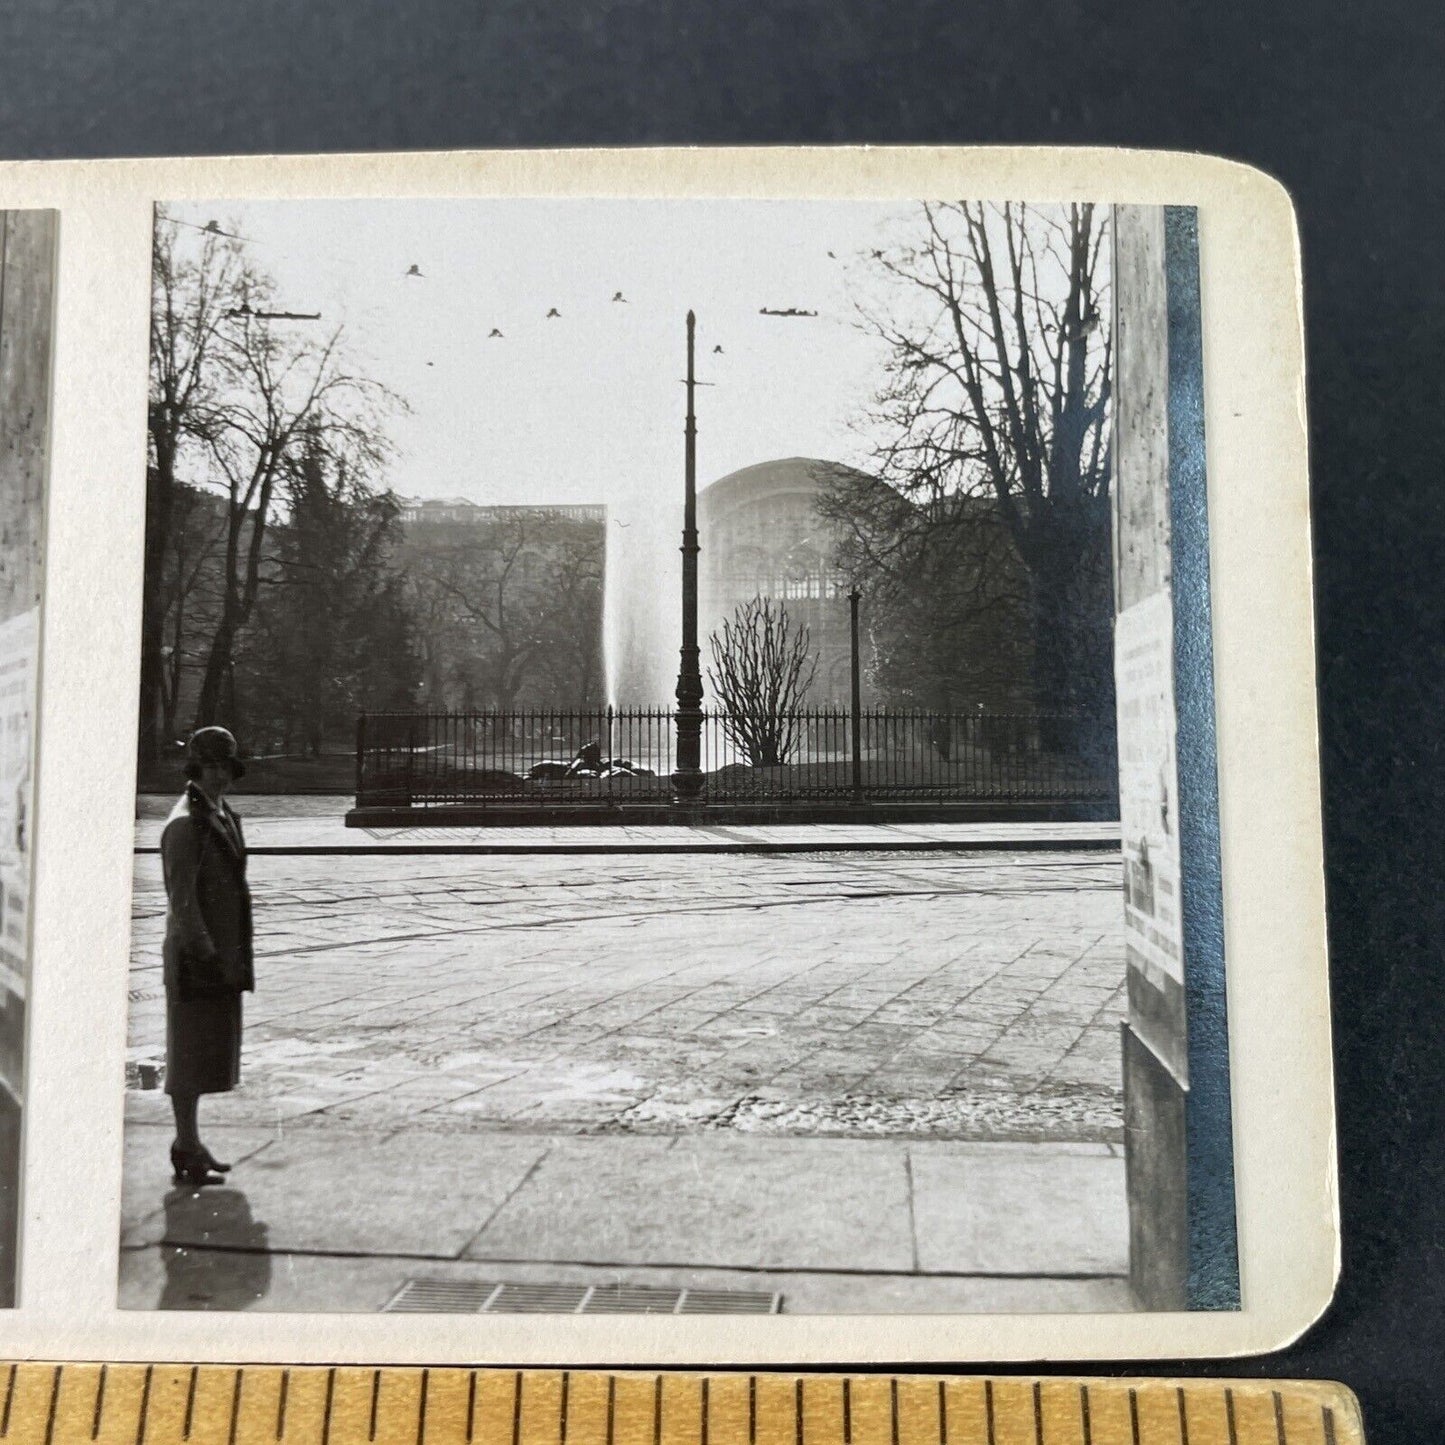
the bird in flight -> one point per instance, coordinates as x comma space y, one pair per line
553, 312
493, 332
415, 270
831, 256
211, 228
431, 363
245, 310
618, 296
717, 351
790, 311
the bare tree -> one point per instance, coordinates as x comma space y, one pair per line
572, 618
761, 671
511, 609
946, 595
478, 585
236, 394
191, 295
287, 394
190, 595
998, 387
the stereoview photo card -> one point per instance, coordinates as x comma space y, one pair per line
698, 752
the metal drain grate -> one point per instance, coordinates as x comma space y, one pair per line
488, 1297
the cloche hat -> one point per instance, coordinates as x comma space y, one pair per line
213, 745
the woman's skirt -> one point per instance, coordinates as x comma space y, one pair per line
203, 1044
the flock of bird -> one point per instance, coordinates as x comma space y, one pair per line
414, 272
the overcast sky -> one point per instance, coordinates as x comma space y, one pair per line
587, 406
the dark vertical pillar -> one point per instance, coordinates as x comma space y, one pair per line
687, 778
27, 290
1179, 1142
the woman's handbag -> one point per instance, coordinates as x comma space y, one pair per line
207, 977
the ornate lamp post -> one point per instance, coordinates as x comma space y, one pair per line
854, 596
687, 777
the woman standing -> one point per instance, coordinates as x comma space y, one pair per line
207, 947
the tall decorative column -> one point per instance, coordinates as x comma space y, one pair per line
687, 777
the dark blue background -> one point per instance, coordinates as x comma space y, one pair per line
1342, 102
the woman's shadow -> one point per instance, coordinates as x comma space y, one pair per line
214, 1252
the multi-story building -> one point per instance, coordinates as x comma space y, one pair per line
458, 511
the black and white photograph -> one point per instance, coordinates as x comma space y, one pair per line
676, 763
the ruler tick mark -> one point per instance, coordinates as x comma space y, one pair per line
99, 1405
657, 1412
1183, 1418
375, 1397
9, 1398
703, 1414
1329, 1426
752, 1409
517, 1408
562, 1408
1229, 1416
326, 1415
471, 1406
54, 1400
1134, 1416
145, 1400
235, 1409
893, 1407
1279, 1418
190, 1403
847, 1412
281, 1403
942, 1414
1084, 1418
1038, 1412
988, 1411
798, 1411
611, 1405
421, 1407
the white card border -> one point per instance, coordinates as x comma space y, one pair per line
1268, 753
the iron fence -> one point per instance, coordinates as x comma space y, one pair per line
421, 760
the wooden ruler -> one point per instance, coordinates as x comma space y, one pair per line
48, 1404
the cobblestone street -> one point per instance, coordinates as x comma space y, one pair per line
946, 996
868, 1081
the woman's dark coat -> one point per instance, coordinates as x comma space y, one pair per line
208, 922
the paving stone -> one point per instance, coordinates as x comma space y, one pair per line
795, 1204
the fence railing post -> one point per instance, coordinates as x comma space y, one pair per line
360, 754
410, 761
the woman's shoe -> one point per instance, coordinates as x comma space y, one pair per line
212, 1162
191, 1169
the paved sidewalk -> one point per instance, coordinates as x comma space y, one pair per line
316, 825
341, 1222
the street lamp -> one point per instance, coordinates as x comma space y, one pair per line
854, 597
687, 777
